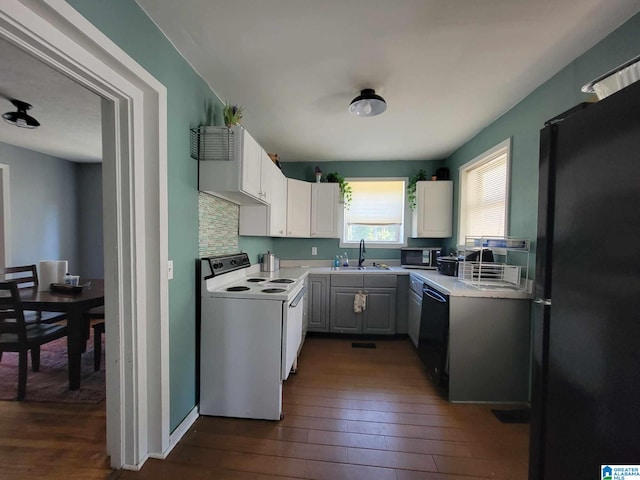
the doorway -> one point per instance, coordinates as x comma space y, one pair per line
135, 216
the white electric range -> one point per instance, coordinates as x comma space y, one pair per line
250, 334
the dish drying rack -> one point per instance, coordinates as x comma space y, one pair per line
510, 268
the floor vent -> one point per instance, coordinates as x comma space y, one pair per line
363, 345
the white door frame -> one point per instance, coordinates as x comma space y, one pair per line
5, 213
135, 220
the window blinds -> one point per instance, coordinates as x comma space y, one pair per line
376, 203
486, 192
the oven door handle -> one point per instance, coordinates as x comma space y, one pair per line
296, 300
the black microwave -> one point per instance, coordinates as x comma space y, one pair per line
426, 258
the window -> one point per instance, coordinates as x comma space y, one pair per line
376, 213
484, 194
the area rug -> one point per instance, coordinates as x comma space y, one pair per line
51, 383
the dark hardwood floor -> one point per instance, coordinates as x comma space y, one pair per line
352, 413
52, 441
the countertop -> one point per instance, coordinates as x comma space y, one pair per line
456, 288
446, 284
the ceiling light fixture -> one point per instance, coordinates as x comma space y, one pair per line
368, 104
20, 118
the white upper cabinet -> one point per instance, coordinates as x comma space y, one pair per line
298, 208
433, 215
324, 210
267, 220
236, 177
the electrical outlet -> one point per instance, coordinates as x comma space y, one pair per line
170, 270
314, 250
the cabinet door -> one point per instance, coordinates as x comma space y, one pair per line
298, 208
267, 220
324, 210
433, 216
380, 313
278, 207
415, 307
267, 177
318, 303
343, 319
251, 165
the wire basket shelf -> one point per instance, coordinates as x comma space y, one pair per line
212, 143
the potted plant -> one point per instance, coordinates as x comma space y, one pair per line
411, 187
345, 189
232, 114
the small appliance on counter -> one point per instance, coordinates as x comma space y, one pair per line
269, 262
479, 255
420, 257
448, 265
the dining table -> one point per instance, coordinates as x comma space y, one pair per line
75, 305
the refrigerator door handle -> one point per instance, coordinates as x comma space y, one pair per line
543, 301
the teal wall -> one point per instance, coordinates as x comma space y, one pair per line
254, 246
188, 100
328, 248
305, 170
523, 123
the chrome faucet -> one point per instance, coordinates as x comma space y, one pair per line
361, 253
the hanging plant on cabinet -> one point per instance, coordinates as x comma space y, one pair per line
411, 187
345, 189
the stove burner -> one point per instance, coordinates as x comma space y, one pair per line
282, 280
252, 280
274, 290
239, 288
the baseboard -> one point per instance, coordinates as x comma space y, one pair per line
135, 468
178, 433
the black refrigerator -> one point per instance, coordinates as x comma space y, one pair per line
585, 401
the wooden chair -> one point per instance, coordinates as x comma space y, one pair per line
95, 318
17, 336
27, 276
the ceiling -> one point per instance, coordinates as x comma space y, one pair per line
446, 69
69, 115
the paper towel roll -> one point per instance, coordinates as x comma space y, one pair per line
47, 274
62, 268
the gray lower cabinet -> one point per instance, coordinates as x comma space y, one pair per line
379, 316
318, 304
343, 319
489, 349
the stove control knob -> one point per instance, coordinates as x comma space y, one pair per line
233, 262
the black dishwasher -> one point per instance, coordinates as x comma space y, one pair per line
434, 334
